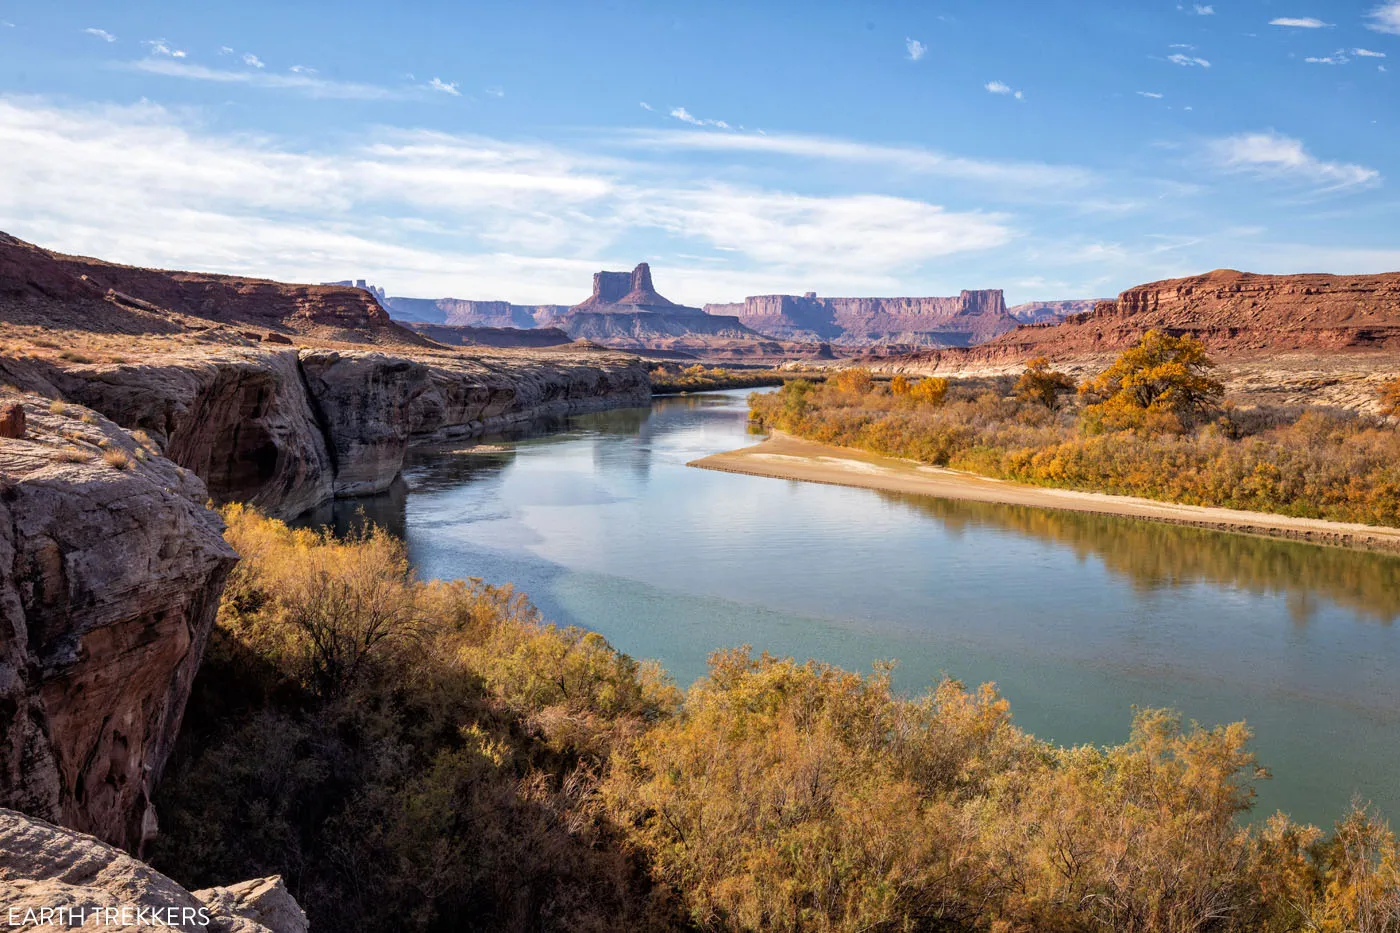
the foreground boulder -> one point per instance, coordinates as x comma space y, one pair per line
82, 881
110, 574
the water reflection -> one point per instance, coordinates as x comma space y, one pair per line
1156, 556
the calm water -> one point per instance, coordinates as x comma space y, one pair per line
1077, 618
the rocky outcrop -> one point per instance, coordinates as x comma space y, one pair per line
41, 286
969, 318
626, 291
110, 574
55, 878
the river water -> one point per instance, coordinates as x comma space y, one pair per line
1077, 618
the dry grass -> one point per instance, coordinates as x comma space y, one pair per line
117, 459
72, 454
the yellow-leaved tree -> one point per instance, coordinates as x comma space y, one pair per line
1163, 384
1041, 384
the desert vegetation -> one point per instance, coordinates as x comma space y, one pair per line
1154, 424
423, 755
667, 379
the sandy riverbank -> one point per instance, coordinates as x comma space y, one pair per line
784, 457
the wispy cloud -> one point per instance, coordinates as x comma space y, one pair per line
505, 219
1297, 22
161, 47
1204, 10
915, 48
496, 90
1152, 94
1271, 154
1385, 18
102, 34
307, 84
252, 61
1000, 87
446, 87
225, 50
648, 107
302, 70
997, 175
1188, 61
1367, 53
685, 116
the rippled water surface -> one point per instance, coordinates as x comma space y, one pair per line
1077, 618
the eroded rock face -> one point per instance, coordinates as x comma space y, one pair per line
286, 430
961, 320
110, 575
46, 867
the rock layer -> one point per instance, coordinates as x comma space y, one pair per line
110, 574
45, 867
969, 318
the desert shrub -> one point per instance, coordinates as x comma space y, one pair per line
409, 755
1312, 463
856, 380
1390, 398
117, 459
1039, 383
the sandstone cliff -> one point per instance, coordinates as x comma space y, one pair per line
110, 574
45, 867
1234, 313
1050, 312
969, 318
456, 335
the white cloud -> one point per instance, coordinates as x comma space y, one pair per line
1181, 45
648, 107
1367, 53
102, 34
252, 61
446, 87
1202, 10
1188, 61
915, 48
685, 116
161, 47
302, 70
1271, 154
225, 50
6, 24
1385, 18
999, 175
496, 90
435, 214
999, 87
1305, 22
1338, 57
302, 83
1152, 94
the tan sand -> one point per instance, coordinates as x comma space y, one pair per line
785, 457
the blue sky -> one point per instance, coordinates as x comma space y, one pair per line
1053, 149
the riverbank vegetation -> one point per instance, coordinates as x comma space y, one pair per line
1155, 424
416, 755
672, 379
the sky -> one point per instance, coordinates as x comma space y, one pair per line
1050, 148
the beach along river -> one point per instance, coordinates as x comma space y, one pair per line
1077, 618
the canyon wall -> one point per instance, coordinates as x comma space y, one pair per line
288, 429
110, 574
962, 320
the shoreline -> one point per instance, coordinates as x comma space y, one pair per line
784, 457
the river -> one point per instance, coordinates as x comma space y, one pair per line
1077, 618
